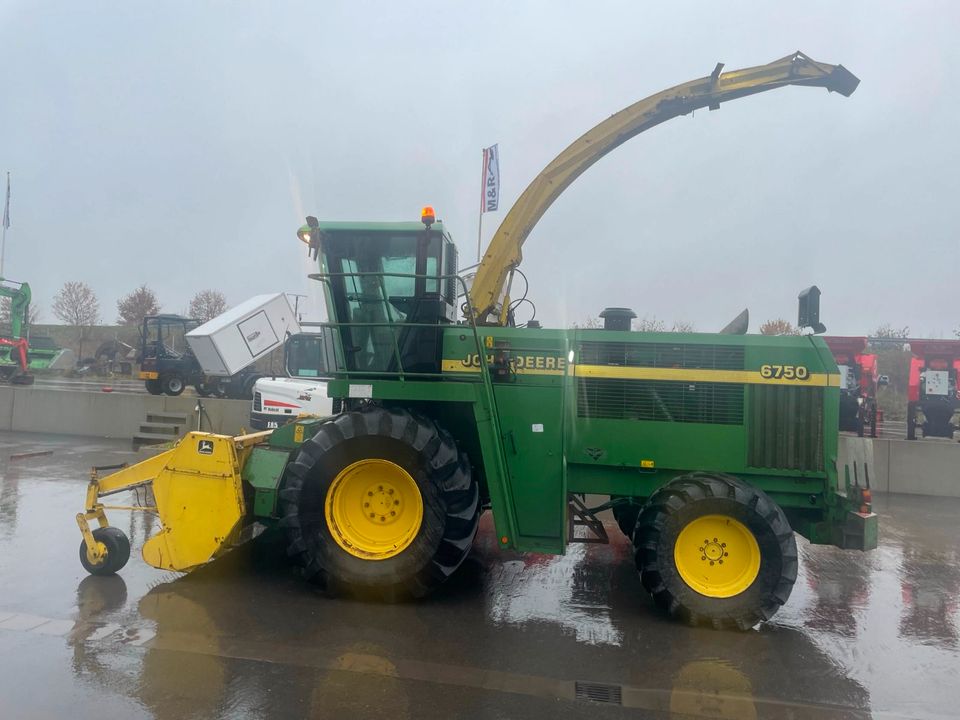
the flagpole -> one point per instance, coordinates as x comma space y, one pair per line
479, 234
483, 181
6, 222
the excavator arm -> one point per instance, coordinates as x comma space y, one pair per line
503, 255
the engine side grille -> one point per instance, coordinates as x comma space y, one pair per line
665, 355
660, 400
786, 428
257, 402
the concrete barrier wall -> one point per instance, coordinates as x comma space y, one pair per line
112, 415
918, 467
921, 467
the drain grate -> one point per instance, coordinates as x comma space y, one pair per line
599, 693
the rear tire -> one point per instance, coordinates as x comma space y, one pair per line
172, 384
761, 548
118, 551
392, 444
153, 387
204, 390
626, 515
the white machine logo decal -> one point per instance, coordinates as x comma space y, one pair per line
205, 447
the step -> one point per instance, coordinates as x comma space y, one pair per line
166, 418
145, 438
157, 429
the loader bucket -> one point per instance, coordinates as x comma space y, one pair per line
199, 499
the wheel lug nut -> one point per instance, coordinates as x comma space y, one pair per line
372, 515
366, 504
393, 512
370, 493
396, 502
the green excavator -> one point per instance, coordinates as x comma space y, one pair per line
19, 353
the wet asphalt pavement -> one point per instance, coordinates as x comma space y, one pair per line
510, 636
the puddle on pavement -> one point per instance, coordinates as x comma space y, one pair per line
877, 631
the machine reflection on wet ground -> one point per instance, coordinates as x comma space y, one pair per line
510, 636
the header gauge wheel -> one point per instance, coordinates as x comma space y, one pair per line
381, 503
715, 550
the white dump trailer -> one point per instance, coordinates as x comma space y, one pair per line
243, 334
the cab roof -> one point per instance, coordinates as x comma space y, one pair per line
388, 227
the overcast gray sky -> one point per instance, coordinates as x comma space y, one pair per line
181, 144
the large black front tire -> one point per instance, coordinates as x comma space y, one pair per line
698, 495
448, 490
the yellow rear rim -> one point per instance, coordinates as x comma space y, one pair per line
717, 556
374, 509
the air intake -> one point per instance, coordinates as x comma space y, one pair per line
617, 318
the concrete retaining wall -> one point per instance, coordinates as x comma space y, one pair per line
921, 467
918, 467
112, 415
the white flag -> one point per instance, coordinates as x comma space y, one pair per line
490, 195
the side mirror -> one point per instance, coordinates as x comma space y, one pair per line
883, 381
808, 313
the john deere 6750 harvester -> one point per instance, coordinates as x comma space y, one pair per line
713, 449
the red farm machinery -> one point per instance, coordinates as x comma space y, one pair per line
859, 381
933, 393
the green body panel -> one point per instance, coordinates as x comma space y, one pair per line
531, 425
263, 472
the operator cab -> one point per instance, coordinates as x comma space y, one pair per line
165, 336
389, 287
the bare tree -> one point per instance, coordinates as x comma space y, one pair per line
207, 304
135, 306
77, 305
682, 326
591, 323
649, 324
888, 331
778, 327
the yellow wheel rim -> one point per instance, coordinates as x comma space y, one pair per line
717, 556
374, 509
